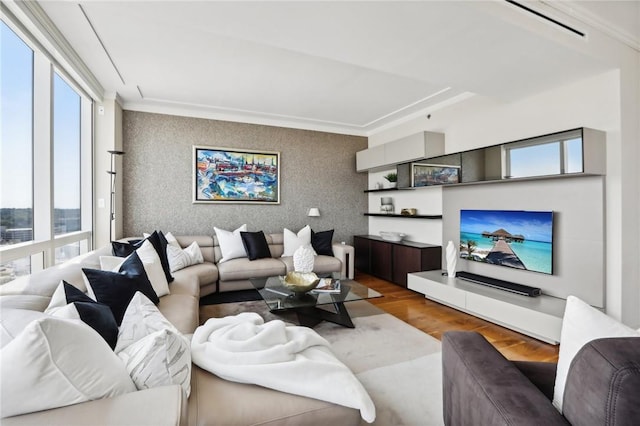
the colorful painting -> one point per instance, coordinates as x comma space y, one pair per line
226, 175
434, 174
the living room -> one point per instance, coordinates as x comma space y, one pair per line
552, 81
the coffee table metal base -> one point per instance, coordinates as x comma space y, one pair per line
310, 316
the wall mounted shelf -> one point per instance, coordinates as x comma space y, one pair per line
388, 189
416, 216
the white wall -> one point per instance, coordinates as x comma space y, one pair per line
605, 102
107, 136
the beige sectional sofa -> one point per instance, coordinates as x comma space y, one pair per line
213, 401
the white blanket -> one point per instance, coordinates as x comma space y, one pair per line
297, 360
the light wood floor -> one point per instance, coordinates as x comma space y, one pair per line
435, 319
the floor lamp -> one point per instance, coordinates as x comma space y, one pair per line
112, 202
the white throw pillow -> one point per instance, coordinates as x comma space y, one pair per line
580, 325
56, 362
13, 321
230, 243
159, 359
140, 319
150, 261
180, 259
293, 241
58, 299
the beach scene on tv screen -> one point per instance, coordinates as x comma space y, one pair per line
516, 239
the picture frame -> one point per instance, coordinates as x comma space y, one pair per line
234, 175
434, 174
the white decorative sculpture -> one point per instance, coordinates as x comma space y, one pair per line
303, 259
452, 259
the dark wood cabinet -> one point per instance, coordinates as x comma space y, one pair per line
392, 261
381, 260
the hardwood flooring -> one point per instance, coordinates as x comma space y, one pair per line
435, 319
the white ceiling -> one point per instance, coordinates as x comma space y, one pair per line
348, 67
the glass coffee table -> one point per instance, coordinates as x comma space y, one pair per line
308, 306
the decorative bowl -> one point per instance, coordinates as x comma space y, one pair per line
300, 282
392, 236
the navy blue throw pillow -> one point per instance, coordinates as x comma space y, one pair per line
116, 289
94, 314
159, 242
124, 249
256, 245
322, 242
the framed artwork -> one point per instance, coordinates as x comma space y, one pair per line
229, 175
434, 174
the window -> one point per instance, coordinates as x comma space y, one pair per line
66, 157
16, 116
545, 156
45, 198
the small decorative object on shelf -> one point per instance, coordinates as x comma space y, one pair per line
408, 212
303, 259
392, 236
392, 178
452, 259
386, 205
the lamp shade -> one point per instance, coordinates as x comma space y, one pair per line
313, 211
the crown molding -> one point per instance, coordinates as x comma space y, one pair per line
575, 11
159, 106
36, 24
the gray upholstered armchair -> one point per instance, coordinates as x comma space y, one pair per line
481, 387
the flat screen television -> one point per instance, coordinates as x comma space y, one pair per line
516, 239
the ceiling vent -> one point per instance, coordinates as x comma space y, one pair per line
546, 18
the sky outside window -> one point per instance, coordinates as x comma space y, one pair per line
16, 115
66, 157
535, 160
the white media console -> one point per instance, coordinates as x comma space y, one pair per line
539, 317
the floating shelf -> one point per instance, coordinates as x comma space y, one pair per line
386, 189
415, 216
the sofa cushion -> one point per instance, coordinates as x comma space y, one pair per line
255, 245
230, 243
322, 242
189, 280
581, 324
57, 362
116, 289
182, 311
293, 241
239, 403
243, 269
162, 406
321, 264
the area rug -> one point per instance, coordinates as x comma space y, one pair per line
399, 365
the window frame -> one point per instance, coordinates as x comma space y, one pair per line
43, 246
562, 140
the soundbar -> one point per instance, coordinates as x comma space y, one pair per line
524, 290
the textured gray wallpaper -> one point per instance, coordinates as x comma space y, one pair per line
317, 170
